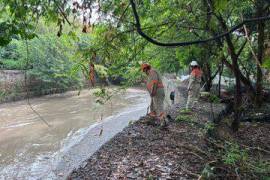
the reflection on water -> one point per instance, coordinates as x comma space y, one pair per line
23, 136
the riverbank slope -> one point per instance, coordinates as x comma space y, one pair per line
191, 147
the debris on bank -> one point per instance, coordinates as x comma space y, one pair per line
186, 149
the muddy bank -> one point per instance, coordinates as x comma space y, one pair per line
184, 150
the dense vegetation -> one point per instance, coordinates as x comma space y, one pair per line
54, 42
240, 32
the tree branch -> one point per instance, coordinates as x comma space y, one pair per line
62, 13
250, 47
241, 49
176, 44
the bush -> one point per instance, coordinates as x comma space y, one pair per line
48, 60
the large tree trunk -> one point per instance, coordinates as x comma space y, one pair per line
244, 80
237, 74
237, 96
219, 80
207, 76
237, 100
261, 36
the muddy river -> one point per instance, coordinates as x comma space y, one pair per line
29, 149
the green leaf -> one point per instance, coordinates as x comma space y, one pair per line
266, 62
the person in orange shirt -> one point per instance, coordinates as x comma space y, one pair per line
194, 85
156, 90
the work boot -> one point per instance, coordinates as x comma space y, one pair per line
149, 120
152, 114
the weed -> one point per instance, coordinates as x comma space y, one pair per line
208, 127
208, 172
214, 98
261, 167
102, 96
185, 111
233, 155
3, 94
184, 118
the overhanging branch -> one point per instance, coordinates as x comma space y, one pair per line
176, 44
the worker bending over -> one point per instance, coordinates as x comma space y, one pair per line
156, 90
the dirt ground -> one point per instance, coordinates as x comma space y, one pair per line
184, 150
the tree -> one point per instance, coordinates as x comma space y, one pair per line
217, 11
221, 31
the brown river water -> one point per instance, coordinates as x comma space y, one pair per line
29, 149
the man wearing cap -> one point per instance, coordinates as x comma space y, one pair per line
156, 90
194, 85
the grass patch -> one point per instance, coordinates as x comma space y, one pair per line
185, 111
184, 118
234, 155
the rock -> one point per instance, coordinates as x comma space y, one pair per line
60, 174
132, 176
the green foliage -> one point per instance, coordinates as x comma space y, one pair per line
164, 59
19, 18
48, 60
102, 95
102, 71
214, 98
209, 127
184, 118
238, 158
221, 5
118, 48
10, 57
261, 167
234, 155
186, 115
185, 111
266, 63
51, 62
3, 94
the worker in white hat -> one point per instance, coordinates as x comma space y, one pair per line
194, 85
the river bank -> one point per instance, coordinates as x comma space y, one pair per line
186, 149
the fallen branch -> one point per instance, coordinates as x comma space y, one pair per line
258, 118
190, 173
256, 148
189, 147
219, 146
195, 154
